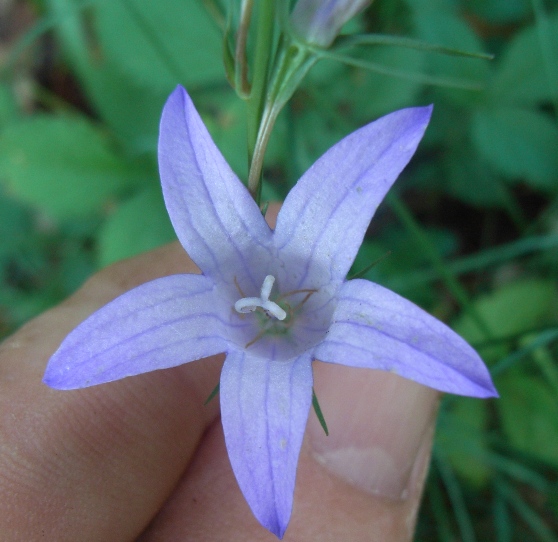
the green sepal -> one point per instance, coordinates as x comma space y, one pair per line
319, 413
418, 77
364, 270
371, 40
212, 394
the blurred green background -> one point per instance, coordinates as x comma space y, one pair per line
470, 231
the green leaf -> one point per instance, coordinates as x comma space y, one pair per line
462, 438
161, 43
227, 126
521, 77
396, 253
446, 28
8, 104
131, 110
129, 107
509, 310
387, 93
518, 143
529, 414
501, 11
139, 224
62, 165
15, 223
470, 180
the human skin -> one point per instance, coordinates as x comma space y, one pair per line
144, 459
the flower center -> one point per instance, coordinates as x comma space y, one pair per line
250, 304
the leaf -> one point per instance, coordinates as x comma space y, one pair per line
394, 254
462, 437
8, 104
139, 224
227, 126
15, 223
389, 93
521, 77
520, 144
131, 110
161, 43
470, 180
529, 414
501, 11
446, 28
62, 165
509, 310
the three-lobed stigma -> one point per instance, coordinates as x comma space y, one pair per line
250, 304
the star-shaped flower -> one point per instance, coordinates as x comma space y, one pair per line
272, 300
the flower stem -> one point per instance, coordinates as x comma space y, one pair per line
256, 100
241, 63
292, 65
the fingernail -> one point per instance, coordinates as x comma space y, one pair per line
380, 429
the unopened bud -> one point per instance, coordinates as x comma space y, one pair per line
319, 21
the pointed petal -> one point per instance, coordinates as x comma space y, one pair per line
264, 409
160, 324
374, 327
325, 216
214, 216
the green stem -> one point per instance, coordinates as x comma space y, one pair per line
262, 59
293, 64
241, 83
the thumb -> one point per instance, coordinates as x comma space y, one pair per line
381, 428
363, 482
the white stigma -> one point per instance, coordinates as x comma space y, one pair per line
250, 304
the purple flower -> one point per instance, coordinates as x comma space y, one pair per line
319, 21
273, 301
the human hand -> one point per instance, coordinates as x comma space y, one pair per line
143, 458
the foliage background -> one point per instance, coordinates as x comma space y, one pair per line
470, 231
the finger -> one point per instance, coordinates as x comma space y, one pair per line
363, 482
95, 464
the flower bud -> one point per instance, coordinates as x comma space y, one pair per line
319, 21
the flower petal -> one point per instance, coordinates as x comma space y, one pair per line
325, 216
375, 328
264, 409
214, 216
163, 323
